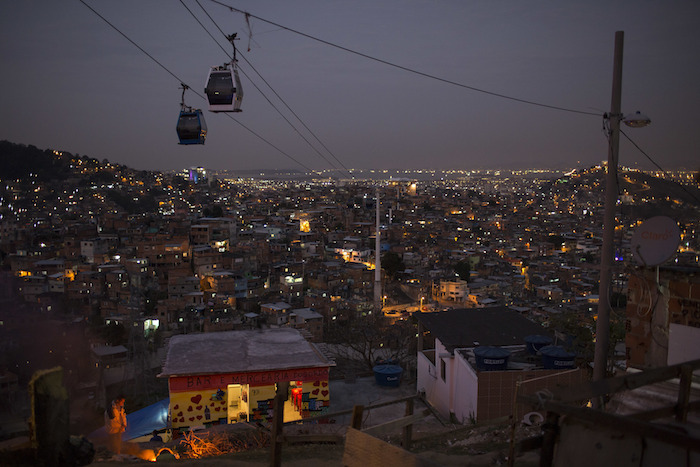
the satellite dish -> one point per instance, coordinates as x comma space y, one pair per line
655, 240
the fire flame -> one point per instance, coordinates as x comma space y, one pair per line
147, 454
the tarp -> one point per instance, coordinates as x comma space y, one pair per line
142, 422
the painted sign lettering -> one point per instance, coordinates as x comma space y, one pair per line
258, 378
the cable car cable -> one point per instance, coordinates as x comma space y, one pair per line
132, 42
230, 39
195, 92
290, 123
300, 120
252, 82
410, 70
273, 90
205, 29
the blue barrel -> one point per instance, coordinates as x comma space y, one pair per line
535, 342
554, 357
388, 375
490, 358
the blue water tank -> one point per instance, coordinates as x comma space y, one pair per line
490, 358
535, 342
554, 357
388, 375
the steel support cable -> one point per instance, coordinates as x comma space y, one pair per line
206, 30
300, 120
410, 70
290, 123
195, 92
273, 90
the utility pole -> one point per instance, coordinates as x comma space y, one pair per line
602, 342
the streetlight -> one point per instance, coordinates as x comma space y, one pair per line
421, 303
636, 120
613, 119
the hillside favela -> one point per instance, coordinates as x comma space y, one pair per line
418, 317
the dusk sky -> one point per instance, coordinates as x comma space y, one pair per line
71, 82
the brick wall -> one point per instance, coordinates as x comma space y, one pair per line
497, 389
651, 307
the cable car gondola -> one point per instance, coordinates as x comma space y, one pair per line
223, 88
191, 127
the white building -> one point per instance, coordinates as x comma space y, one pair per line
456, 290
452, 382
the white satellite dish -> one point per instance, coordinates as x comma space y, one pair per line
655, 240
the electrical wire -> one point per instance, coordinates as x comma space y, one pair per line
275, 92
410, 70
693, 195
640, 150
195, 92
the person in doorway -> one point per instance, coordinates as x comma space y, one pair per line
156, 437
115, 423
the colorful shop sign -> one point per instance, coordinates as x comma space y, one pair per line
256, 378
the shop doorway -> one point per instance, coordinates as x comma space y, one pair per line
237, 403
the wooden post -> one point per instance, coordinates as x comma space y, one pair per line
684, 393
408, 429
550, 431
277, 422
363, 450
50, 416
356, 421
514, 423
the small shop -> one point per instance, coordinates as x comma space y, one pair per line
233, 376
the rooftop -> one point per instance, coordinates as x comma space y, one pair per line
469, 327
240, 351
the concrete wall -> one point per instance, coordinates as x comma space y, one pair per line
426, 374
438, 392
584, 444
466, 390
683, 344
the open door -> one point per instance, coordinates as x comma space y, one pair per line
237, 403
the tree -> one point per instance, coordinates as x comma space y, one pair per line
463, 270
114, 334
369, 338
557, 240
392, 264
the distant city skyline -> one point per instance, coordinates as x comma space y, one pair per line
73, 83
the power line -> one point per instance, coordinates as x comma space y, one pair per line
275, 93
693, 195
410, 70
640, 150
195, 92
